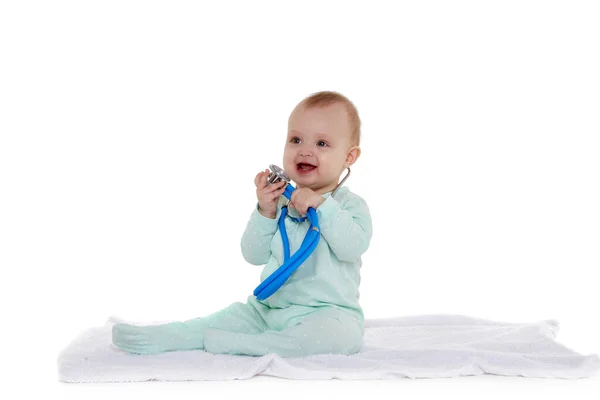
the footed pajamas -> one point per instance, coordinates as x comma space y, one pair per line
316, 311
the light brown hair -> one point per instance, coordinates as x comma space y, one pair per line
326, 98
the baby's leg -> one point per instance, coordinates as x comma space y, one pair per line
318, 333
186, 335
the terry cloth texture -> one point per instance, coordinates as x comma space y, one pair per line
421, 346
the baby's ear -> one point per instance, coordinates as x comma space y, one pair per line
353, 155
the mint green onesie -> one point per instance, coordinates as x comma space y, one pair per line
316, 311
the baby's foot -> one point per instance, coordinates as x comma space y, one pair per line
154, 339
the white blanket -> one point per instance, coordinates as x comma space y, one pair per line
423, 346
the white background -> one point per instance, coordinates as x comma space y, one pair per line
131, 133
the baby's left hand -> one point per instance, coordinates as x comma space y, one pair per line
304, 198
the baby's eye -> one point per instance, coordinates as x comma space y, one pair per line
324, 143
293, 140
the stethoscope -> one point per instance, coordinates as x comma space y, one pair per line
310, 242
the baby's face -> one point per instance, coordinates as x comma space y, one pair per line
319, 137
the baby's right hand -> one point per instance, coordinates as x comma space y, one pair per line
268, 195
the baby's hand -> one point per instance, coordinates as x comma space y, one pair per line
268, 195
304, 198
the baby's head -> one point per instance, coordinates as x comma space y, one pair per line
323, 131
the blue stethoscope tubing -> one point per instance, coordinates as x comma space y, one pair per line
290, 264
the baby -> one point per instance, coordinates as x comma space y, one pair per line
316, 311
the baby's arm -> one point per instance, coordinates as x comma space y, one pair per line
346, 226
256, 240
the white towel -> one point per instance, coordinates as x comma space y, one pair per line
423, 346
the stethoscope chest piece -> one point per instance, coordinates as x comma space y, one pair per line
277, 175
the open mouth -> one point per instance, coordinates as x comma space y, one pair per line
302, 167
